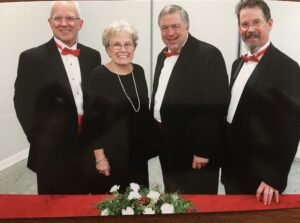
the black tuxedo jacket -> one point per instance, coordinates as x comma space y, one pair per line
194, 105
264, 132
45, 105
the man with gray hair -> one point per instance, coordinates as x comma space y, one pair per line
189, 100
48, 100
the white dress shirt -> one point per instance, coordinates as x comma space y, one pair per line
72, 67
165, 74
240, 82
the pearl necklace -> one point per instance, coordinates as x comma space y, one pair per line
123, 88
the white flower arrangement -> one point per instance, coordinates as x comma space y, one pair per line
138, 200
114, 188
128, 211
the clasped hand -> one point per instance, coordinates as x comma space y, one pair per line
199, 162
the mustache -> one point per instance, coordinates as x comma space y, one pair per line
252, 35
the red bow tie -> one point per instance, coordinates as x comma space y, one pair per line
67, 51
170, 53
253, 58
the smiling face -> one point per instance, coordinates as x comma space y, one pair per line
121, 48
174, 31
69, 25
253, 28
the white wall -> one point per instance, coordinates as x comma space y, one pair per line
24, 25
285, 33
98, 15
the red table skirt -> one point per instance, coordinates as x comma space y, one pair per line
40, 206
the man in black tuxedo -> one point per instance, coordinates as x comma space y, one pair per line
48, 99
264, 111
190, 93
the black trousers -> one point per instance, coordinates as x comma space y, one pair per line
239, 184
177, 169
62, 183
204, 181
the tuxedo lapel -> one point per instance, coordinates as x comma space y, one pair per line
253, 82
158, 68
85, 72
179, 72
177, 75
260, 68
256, 72
235, 73
57, 67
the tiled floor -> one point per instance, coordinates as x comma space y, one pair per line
18, 179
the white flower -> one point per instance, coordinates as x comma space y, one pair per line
127, 211
174, 196
153, 195
148, 211
134, 186
167, 208
104, 212
114, 188
134, 195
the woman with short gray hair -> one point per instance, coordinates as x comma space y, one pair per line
121, 153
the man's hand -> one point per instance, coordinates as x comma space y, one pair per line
266, 193
199, 162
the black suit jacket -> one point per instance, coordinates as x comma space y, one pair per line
45, 105
264, 133
194, 104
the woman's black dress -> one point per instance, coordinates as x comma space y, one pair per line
115, 126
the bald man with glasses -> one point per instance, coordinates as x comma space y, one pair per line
48, 99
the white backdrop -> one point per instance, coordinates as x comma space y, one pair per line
24, 25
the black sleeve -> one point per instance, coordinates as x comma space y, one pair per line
207, 131
100, 111
25, 91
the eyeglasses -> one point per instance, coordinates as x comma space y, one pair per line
118, 46
68, 19
247, 25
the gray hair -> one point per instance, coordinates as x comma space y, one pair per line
76, 4
117, 27
170, 9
